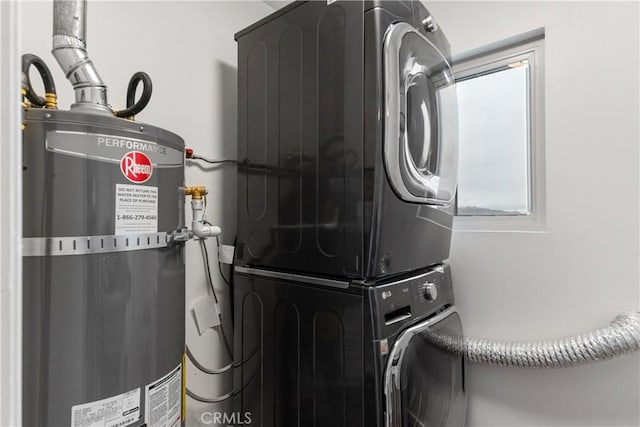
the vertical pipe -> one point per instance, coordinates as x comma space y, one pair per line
69, 49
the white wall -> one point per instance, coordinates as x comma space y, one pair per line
583, 270
189, 52
10, 219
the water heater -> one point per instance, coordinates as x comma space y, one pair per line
104, 289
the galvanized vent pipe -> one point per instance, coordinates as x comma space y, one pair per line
621, 336
69, 49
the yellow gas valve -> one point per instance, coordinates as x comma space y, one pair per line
199, 226
196, 192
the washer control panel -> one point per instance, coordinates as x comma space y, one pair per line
414, 297
432, 289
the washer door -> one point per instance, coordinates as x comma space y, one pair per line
421, 118
424, 386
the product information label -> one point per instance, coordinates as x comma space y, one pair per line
116, 411
136, 209
163, 400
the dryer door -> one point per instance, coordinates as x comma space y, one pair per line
421, 118
424, 386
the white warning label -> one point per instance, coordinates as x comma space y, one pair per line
163, 400
116, 411
136, 209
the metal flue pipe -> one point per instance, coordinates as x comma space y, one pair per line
69, 49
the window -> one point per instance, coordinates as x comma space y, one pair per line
500, 103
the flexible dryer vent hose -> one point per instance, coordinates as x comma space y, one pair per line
621, 336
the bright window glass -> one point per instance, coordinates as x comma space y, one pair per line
494, 120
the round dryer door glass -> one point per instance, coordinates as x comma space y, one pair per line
431, 384
421, 139
425, 385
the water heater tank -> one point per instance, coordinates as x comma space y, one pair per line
103, 283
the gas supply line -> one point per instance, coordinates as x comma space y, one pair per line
50, 99
202, 229
30, 99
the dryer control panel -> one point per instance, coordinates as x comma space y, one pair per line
410, 299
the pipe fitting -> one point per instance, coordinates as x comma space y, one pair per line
196, 192
198, 226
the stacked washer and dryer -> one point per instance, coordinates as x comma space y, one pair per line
347, 150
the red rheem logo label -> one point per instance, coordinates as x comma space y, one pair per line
136, 167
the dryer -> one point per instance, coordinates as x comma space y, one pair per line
329, 353
347, 140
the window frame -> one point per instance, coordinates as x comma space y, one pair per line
492, 58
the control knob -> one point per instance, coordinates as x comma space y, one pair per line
430, 291
429, 24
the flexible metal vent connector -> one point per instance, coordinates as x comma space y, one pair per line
620, 337
69, 49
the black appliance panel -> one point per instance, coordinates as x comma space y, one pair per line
317, 356
303, 353
300, 141
308, 201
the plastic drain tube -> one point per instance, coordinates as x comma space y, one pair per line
620, 337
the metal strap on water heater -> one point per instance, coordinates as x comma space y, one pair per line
87, 245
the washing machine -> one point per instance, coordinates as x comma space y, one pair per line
347, 140
357, 354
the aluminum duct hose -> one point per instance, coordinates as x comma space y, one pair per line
69, 49
621, 336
